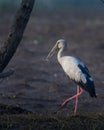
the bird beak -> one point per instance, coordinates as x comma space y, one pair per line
52, 51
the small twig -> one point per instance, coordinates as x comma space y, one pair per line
6, 74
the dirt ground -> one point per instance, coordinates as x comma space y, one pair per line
41, 86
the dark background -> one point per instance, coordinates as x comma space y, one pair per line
41, 86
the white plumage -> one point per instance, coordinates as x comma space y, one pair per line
76, 70
70, 66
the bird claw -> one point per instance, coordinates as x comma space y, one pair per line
46, 59
61, 107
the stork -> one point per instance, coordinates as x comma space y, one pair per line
76, 70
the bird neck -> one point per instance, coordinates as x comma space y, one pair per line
60, 54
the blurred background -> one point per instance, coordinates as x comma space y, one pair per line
41, 86
53, 5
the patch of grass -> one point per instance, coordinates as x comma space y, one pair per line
51, 122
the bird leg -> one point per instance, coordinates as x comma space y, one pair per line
79, 92
76, 102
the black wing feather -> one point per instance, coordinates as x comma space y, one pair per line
89, 85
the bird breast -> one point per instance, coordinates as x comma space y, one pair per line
70, 66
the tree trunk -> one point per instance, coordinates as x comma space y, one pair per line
9, 46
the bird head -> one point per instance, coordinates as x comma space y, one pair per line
60, 44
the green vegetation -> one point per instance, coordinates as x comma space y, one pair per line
51, 122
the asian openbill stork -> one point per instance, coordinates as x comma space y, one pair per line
75, 70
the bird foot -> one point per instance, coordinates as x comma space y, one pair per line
61, 107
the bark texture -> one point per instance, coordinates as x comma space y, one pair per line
9, 46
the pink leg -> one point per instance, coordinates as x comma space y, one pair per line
79, 92
76, 103
75, 96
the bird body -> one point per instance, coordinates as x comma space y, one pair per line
76, 70
70, 66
